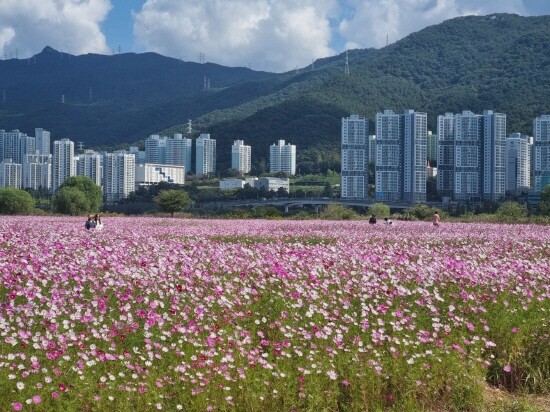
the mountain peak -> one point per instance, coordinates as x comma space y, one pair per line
48, 49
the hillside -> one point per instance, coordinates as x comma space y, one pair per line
108, 99
499, 62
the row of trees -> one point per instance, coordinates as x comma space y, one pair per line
80, 195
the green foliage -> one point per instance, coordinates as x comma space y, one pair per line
171, 201
87, 186
15, 202
71, 201
475, 63
266, 212
380, 210
338, 212
511, 211
422, 212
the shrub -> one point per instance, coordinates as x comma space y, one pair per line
380, 210
15, 202
338, 212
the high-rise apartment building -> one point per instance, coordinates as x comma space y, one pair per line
494, 156
468, 156
63, 165
15, 145
518, 162
355, 157
401, 156
169, 151
89, 164
372, 148
206, 155
541, 152
37, 171
431, 148
472, 150
241, 157
10, 174
42, 141
178, 151
155, 149
446, 154
282, 158
119, 175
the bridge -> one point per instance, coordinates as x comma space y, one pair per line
315, 202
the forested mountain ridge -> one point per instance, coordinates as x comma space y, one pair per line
499, 62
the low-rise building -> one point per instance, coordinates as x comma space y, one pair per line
150, 173
229, 184
273, 183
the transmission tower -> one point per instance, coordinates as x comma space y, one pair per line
346, 69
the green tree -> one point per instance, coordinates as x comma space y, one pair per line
87, 186
171, 201
422, 211
71, 201
15, 202
380, 210
338, 212
511, 211
327, 190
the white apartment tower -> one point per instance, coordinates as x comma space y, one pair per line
62, 162
206, 155
472, 156
414, 159
541, 155
494, 155
518, 162
445, 154
241, 157
37, 171
389, 169
119, 178
155, 149
178, 151
468, 159
355, 157
42, 141
15, 145
89, 164
10, 174
372, 148
282, 158
401, 156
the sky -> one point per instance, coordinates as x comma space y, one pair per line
270, 35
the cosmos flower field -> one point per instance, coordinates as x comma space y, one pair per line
174, 314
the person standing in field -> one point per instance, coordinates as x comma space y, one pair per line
436, 219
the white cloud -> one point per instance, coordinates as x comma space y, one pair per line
26, 26
272, 35
373, 20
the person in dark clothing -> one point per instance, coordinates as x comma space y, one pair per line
372, 220
90, 223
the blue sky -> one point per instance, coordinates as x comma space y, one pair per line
272, 35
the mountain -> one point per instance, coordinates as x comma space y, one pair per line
119, 98
499, 62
